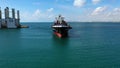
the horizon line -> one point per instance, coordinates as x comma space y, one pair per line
80, 22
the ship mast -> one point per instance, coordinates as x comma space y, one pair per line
60, 19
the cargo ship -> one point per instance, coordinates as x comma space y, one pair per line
61, 27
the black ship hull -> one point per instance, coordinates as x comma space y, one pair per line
61, 32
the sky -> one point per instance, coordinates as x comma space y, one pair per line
72, 10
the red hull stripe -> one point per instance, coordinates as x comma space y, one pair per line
58, 34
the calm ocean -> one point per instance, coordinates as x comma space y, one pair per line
89, 45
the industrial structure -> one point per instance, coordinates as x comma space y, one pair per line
9, 22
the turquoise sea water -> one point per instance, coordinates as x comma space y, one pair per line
89, 45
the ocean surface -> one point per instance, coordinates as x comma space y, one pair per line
89, 45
